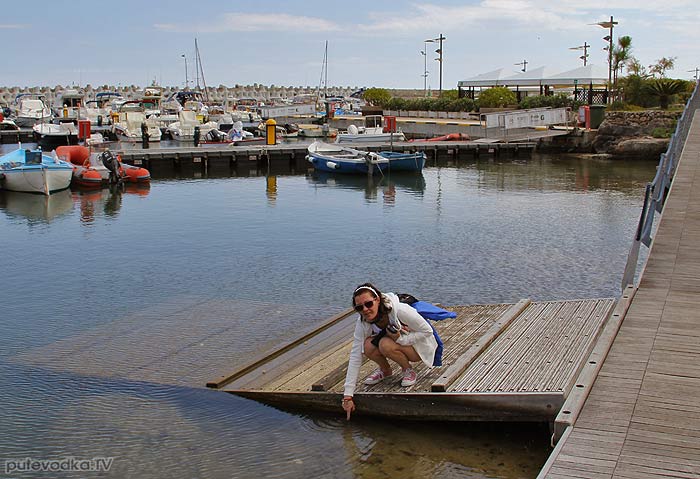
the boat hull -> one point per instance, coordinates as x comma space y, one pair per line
338, 159
28, 171
41, 179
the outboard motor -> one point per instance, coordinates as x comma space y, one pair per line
112, 164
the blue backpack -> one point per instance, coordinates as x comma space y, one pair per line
431, 312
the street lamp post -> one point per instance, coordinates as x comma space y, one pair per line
523, 64
609, 38
697, 69
187, 82
425, 68
439, 39
585, 48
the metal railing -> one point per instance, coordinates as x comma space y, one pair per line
656, 191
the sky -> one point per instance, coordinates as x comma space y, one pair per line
370, 43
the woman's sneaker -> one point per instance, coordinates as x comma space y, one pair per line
409, 378
376, 377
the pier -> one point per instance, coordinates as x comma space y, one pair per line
502, 362
219, 157
641, 418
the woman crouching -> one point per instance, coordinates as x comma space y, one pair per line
386, 329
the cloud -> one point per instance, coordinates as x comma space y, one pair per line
540, 15
15, 26
422, 17
255, 22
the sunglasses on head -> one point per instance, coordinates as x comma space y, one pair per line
366, 304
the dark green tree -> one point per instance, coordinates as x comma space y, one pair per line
664, 89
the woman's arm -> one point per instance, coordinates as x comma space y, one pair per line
355, 361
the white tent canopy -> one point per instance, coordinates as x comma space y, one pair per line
539, 76
581, 76
485, 79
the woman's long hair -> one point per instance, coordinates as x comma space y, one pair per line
384, 309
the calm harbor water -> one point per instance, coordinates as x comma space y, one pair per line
118, 306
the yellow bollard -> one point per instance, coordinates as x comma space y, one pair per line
271, 132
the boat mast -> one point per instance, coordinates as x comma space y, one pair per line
324, 74
198, 66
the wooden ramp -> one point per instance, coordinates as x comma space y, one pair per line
501, 362
642, 416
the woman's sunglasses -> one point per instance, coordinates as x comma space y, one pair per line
366, 304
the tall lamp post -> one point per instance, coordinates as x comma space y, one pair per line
585, 48
187, 82
424, 52
609, 38
439, 40
697, 69
522, 64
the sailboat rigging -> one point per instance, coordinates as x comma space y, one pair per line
199, 70
324, 78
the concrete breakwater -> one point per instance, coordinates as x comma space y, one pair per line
216, 94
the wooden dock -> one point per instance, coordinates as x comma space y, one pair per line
502, 362
642, 416
207, 157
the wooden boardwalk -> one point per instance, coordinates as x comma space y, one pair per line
502, 362
642, 417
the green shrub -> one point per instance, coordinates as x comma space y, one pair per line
376, 96
617, 105
661, 132
542, 101
497, 97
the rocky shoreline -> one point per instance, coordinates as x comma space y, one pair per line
642, 135
626, 134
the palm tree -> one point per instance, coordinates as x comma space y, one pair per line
664, 89
621, 54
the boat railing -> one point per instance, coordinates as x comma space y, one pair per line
657, 189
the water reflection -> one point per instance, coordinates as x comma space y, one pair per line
106, 201
35, 208
560, 173
372, 185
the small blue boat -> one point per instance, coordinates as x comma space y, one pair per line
339, 159
31, 171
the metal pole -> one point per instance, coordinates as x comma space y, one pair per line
186, 79
610, 55
425, 68
441, 38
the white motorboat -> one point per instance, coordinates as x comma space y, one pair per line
99, 111
183, 129
131, 121
31, 171
372, 131
51, 135
30, 109
67, 105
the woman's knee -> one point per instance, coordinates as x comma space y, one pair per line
387, 346
370, 349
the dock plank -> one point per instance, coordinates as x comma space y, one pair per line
648, 389
526, 381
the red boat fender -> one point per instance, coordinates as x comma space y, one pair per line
75, 154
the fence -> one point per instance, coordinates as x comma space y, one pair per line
657, 190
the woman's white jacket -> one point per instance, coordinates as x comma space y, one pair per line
417, 333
